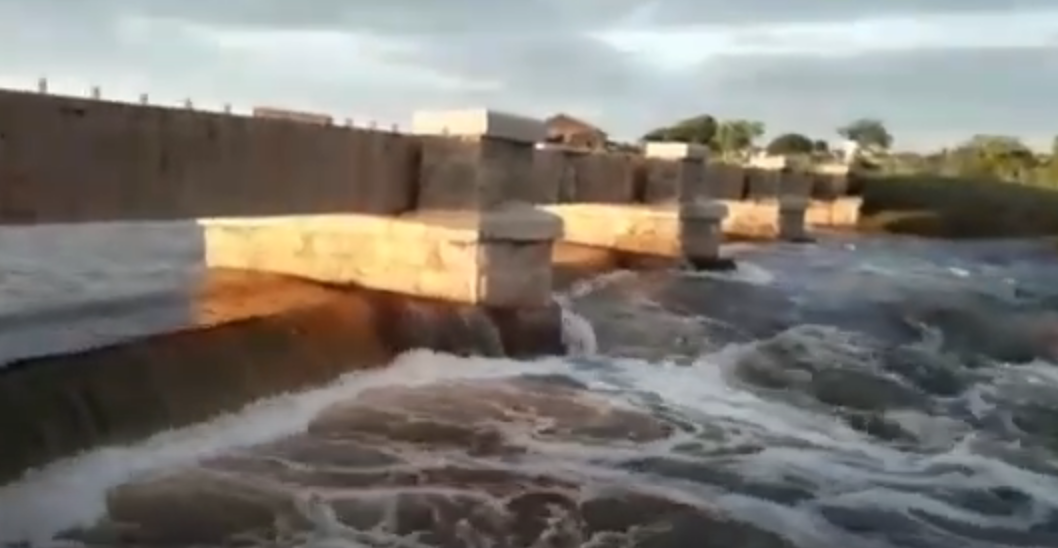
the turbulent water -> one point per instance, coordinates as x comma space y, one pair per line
858, 392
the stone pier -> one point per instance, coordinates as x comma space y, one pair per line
832, 207
472, 238
668, 221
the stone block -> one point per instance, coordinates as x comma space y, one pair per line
675, 151
792, 213
701, 233
480, 123
672, 231
751, 220
497, 258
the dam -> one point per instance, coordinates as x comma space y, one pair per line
199, 306
252, 243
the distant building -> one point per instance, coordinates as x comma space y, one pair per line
569, 131
849, 150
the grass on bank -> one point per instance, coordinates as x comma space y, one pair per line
950, 207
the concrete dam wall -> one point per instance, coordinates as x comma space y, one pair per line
316, 249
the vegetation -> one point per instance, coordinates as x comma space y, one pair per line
988, 185
729, 138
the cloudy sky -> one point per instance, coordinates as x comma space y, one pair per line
935, 70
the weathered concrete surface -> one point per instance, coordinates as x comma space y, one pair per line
65, 159
479, 123
474, 173
497, 258
671, 231
563, 175
766, 219
840, 213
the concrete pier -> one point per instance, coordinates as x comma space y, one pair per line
672, 217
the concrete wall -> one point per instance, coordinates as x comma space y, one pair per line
563, 175
66, 159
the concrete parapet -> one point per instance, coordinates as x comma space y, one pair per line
476, 159
73, 160
687, 231
479, 123
497, 258
674, 172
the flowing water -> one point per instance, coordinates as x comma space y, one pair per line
860, 392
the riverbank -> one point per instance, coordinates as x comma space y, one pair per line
953, 208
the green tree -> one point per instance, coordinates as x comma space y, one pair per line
700, 129
820, 146
995, 157
868, 133
790, 144
736, 136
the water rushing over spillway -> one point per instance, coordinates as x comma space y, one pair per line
860, 392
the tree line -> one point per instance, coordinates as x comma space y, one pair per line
991, 157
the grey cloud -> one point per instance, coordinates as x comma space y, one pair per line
546, 64
425, 17
405, 17
929, 97
667, 12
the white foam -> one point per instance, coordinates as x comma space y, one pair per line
744, 272
810, 446
585, 287
71, 492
